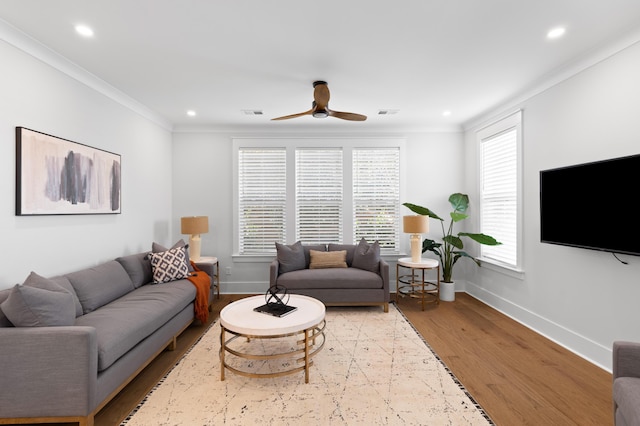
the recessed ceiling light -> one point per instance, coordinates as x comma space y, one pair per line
191, 113
556, 33
83, 30
446, 113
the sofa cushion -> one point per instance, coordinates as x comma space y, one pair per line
39, 302
332, 278
125, 322
328, 259
626, 393
100, 284
367, 256
349, 248
64, 282
157, 248
170, 265
138, 266
290, 257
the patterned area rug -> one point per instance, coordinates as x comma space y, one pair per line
374, 369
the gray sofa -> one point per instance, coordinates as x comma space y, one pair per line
361, 279
61, 369
626, 383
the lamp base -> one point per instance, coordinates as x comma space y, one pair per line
416, 247
194, 247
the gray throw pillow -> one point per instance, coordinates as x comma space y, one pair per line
138, 267
39, 302
157, 248
291, 257
367, 256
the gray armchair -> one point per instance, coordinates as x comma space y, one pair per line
626, 383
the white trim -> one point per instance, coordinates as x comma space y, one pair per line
591, 351
555, 77
30, 46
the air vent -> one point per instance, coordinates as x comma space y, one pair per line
252, 111
388, 111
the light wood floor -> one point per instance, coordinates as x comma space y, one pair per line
519, 377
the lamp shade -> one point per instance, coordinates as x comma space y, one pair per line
194, 225
416, 224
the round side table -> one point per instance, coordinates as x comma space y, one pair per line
414, 284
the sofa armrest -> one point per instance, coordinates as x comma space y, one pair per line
384, 273
274, 267
48, 371
626, 359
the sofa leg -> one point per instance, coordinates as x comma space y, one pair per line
173, 345
386, 307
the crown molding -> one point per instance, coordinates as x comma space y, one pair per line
31, 46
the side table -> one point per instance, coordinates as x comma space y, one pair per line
210, 265
414, 284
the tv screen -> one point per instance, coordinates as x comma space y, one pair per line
592, 205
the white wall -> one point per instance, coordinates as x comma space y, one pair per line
40, 97
581, 298
203, 180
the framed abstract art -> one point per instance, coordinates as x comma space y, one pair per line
55, 176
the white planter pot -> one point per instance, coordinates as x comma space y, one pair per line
447, 292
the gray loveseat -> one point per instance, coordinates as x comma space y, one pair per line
86, 341
626, 383
345, 274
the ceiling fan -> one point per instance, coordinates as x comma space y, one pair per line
320, 106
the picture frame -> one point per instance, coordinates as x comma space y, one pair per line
56, 176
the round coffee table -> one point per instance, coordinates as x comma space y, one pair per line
240, 320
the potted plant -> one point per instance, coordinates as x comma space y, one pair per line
450, 250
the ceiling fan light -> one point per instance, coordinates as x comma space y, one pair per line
320, 113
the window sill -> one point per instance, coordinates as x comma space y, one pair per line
503, 269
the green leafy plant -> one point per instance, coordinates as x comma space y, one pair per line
450, 250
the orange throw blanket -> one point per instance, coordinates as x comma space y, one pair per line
202, 281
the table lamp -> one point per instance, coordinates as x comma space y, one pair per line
415, 225
194, 226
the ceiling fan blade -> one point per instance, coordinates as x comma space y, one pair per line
321, 94
347, 115
286, 117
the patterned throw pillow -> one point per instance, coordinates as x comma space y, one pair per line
169, 265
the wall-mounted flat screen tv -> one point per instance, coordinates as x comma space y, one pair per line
592, 205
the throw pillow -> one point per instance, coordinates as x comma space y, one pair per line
157, 248
169, 265
328, 259
39, 302
367, 256
290, 257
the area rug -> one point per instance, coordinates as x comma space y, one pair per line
374, 369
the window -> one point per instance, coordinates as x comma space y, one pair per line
262, 213
499, 190
319, 197
376, 196
316, 191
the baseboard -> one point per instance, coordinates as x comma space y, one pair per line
585, 348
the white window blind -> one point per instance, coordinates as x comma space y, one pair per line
499, 194
262, 199
376, 196
319, 195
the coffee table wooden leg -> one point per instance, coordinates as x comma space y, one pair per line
222, 351
306, 356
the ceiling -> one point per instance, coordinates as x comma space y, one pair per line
417, 57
